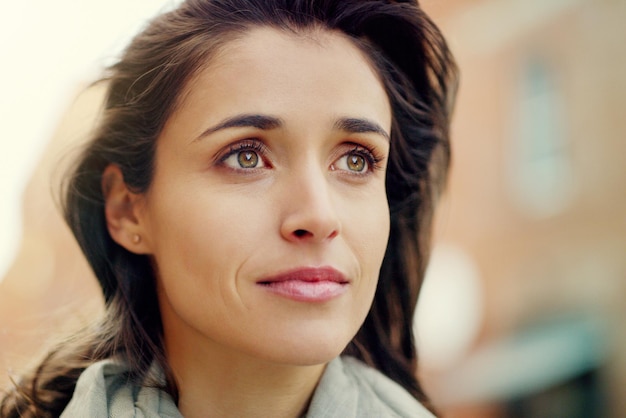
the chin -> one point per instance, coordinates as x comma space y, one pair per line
307, 351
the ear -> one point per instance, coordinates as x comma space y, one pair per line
121, 209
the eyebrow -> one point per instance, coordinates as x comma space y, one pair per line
266, 123
262, 122
360, 126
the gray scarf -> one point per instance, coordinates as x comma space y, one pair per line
348, 389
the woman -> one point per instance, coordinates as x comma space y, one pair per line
256, 205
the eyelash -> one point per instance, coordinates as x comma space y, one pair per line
246, 145
371, 155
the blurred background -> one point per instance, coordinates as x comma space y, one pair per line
522, 310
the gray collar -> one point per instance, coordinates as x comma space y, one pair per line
348, 389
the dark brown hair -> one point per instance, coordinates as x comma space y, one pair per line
144, 88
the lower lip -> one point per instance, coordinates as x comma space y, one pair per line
303, 291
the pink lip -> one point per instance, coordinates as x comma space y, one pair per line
307, 284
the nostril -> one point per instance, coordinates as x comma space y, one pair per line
300, 233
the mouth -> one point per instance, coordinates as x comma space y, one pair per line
307, 284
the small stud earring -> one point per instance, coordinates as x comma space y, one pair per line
136, 239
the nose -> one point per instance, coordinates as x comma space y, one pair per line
310, 213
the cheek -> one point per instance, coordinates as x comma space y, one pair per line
373, 242
206, 235
367, 231
367, 235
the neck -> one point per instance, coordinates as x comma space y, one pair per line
220, 382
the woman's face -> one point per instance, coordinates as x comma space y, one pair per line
267, 217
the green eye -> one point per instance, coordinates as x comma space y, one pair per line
248, 159
356, 162
245, 155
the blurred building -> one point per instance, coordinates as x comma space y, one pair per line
537, 204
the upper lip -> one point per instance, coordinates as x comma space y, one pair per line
307, 274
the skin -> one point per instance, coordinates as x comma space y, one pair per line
307, 196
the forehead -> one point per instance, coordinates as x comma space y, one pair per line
265, 41
305, 78
308, 58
